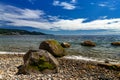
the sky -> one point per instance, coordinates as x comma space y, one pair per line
62, 17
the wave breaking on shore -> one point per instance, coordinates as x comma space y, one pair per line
91, 59
3, 52
78, 57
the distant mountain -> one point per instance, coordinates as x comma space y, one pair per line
19, 32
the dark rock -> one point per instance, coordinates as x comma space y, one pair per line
88, 43
115, 43
65, 45
38, 61
106, 61
53, 47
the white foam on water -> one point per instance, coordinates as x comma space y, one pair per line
72, 57
80, 58
3, 52
91, 59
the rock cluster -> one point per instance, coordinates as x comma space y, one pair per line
92, 44
42, 60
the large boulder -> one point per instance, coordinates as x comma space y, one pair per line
65, 45
115, 43
88, 43
53, 47
38, 61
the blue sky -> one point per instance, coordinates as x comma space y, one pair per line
66, 17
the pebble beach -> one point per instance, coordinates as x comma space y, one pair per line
69, 69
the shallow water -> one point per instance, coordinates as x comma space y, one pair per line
104, 50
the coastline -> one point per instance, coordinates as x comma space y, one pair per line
73, 57
69, 69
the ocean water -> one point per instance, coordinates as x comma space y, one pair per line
103, 49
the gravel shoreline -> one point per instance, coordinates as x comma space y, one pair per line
69, 69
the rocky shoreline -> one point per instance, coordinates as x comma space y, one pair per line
69, 69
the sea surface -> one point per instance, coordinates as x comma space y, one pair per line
103, 50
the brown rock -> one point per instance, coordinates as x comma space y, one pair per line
53, 47
115, 43
65, 45
88, 43
38, 61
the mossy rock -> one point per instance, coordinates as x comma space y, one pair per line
42, 64
53, 47
37, 61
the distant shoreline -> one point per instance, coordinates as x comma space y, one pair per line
19, 32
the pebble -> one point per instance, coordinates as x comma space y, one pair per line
68, 70
1, 76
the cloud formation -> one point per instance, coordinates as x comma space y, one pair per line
14, 12
112, 5
109, 4
14, 16
65, 5
73, 1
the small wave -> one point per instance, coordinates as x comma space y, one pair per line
92, 59
3, 52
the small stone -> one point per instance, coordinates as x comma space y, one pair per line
65, 45
1, 77
106, 61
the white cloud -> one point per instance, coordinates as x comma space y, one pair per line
110, 5
77, 24
14, 12
13, 16
102, 4
65, 5
103, 17
73, 1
